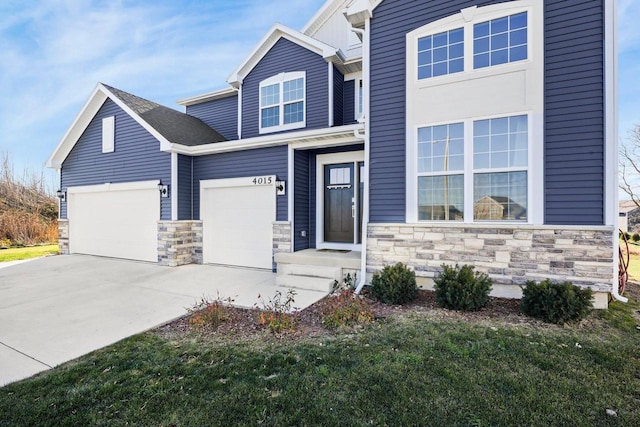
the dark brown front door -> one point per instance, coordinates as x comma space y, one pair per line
339, 203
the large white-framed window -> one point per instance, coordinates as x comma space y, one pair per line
282, 102
476, 170
500, 40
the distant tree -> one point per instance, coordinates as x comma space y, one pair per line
630, 165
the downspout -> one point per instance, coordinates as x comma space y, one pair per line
365, 117
611, 138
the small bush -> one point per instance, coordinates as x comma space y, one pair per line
345, 308
394, 285
209, 314
349, 282
459, 288
556, 302
275, 313
635, 237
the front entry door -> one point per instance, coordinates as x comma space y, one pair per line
339, 203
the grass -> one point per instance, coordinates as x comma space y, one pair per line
634, 267
16, 254
405, 371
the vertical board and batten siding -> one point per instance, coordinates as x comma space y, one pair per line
137, 157
391, 22
574, 112
574, 100
185, 187
220, 114
301, 204
338, 82
349, 102
262, 161
286, 56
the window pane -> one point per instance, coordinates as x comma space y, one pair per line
481, 144
481, 30
440, 40
424, 43
518, 21
518, 37
424, 57
500, 196
439, 69
440, 54
294, 113
518, 53
481, 61
481, 127
500, 143
481, 45
499, 57
499, 25
270, 95
456, 66
500, 41
441, 198
270, 117
424, 72
456, 36
293, 90
456, 51
499, 126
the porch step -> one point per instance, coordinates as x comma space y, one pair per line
308, 283
319, 271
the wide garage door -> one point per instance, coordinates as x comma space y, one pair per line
237, 221
115, 220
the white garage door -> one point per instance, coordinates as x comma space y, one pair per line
237, 221
115, 220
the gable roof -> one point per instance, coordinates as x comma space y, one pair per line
277, 32
165, 124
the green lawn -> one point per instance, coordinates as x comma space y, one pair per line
15, 254
634, 267
406, 371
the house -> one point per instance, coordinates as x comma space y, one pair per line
370, 137
628, 216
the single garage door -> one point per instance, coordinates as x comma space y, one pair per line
115, 220
237, 221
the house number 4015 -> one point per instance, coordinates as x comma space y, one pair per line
262, 180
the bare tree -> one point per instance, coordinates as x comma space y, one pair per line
630, 165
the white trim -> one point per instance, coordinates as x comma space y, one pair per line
109, 134
240, 111
331, 89
611, 111
280, 80
321, 161
173, 191
315, 138
246, 181
277, 32
123, 186
322, 15
206, 97
291, 191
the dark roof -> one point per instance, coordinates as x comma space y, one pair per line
176, 127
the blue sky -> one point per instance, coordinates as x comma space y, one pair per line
53, 52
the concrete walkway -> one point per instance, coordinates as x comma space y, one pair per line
58, 308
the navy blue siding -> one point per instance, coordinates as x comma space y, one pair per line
338, 82
301, 208
185, 189
574, 99
263, 161
286, 56
392, 20
349, 102
137, 157
574, 112
220, 114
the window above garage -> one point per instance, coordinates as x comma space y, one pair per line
282, 102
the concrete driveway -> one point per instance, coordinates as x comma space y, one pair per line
58, 308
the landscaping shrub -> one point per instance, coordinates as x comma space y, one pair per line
275, 313
345, 308
635, 237
209, 314
394, 285
556, 302
459, 288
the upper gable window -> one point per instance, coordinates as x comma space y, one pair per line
441, 54
108, 134
500, 41
282, 102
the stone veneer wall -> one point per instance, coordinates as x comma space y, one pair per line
509, 254
281, 239
179, 243
63, 236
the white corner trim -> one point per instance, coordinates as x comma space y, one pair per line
611, 114
240, 111
123, 186
173, 191
290, 188
331, 90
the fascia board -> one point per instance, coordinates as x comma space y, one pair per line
199, 99
322, 15
269, 40
82, 120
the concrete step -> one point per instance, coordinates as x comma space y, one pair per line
309, 271
319, 284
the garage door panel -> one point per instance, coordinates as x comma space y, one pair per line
238, 224
116, 223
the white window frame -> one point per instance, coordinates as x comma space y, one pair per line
280, 79
109, 134
470, 171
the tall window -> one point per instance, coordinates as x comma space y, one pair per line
498, 175
282, 100
441, 173
500, 41
500, 161
441, 54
